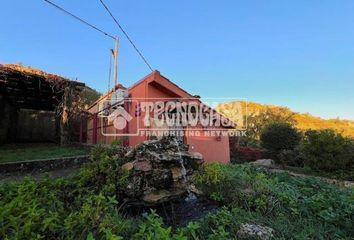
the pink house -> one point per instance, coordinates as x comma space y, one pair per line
213, 147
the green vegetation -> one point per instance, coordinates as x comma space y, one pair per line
327, 150
341, 174
256, 121
296, 208
23, 152
278, 136
71, 208
312, 145
88, 96
323, 152
258, 115
292, 158
87, 205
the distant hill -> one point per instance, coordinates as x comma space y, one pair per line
304, 121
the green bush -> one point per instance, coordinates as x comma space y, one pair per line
292, 158
72, 208
297, 208
327, 150
87, 206
103, 172
279, 136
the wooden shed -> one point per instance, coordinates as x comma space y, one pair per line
36, 106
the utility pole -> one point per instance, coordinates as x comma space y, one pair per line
115, 76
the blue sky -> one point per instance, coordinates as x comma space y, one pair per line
298, 54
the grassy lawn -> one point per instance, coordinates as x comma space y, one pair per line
22, 152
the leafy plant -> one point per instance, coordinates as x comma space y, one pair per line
278, 136
87, 205
292, 158
327, 150
306, 208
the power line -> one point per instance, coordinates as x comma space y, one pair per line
79, 19
126, 35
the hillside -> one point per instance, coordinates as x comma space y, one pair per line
304, 121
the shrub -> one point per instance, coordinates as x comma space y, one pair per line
246, 154
327, 150
292, 158
236, 184
279, 136
78, 208
103, 172
73, 208
244, 150
297, 208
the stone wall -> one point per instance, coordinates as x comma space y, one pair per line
8, 119
42, 165
35, 126
25, 125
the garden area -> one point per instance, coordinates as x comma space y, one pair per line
90, 204
37, 160
160, 190
34, 151
317, 152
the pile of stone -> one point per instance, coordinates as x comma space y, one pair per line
253, 231
160, 170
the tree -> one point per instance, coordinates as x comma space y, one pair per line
254, 117
278, 136
327, 150
88, 96
256, 121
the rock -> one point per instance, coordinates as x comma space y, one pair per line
128, 166
130, 154
253, 231
263, 162
157, 175
144, 166
134, 188
197, 156
176, 173
195, 190
162, 196
160, 179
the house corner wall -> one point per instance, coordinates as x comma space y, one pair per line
213, 149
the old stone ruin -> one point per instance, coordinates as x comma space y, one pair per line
160, 171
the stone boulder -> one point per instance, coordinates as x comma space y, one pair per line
253, 231
263, 162
159, 170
